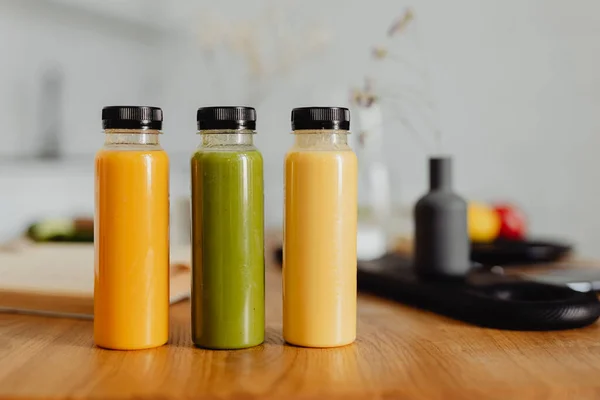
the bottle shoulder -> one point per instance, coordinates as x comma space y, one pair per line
234, 148
130, 147
442, 199
321, 147
228, 155
321, 152
132, 153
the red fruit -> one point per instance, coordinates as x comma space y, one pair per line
512, 222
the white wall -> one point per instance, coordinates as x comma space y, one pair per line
514, 83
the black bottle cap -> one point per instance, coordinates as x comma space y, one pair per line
132, 117
320, 118
226, 118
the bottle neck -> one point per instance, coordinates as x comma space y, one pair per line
440, 173
321, 139
223, 139
115, 137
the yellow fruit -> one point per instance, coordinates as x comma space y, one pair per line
483, 222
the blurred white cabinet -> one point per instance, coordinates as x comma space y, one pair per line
99, 53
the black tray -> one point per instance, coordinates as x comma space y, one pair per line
484, 299
518, 252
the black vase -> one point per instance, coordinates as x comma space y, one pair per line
441, 236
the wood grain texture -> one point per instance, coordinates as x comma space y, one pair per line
400, 353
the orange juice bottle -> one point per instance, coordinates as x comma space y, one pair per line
131, 232
319, 244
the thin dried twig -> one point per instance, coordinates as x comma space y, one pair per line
267, 56
401, 23
399, 94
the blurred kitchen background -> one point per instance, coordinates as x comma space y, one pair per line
510, 88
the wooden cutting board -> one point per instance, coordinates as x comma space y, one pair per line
58, 278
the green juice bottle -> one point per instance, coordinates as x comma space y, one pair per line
228, 273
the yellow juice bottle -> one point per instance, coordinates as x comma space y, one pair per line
319, 249
131, 237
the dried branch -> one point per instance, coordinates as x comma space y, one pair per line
401, 23
401, 97
267, 56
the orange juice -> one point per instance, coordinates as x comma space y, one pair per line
131, 286
319, 253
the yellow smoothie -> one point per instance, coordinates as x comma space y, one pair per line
319, 256
131, 291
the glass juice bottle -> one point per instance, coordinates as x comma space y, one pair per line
319, 250
131, 238
228, 274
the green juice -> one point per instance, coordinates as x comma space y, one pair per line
228, 274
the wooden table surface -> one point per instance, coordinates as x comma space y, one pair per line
400, 353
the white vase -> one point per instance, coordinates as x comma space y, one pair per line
374, 183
